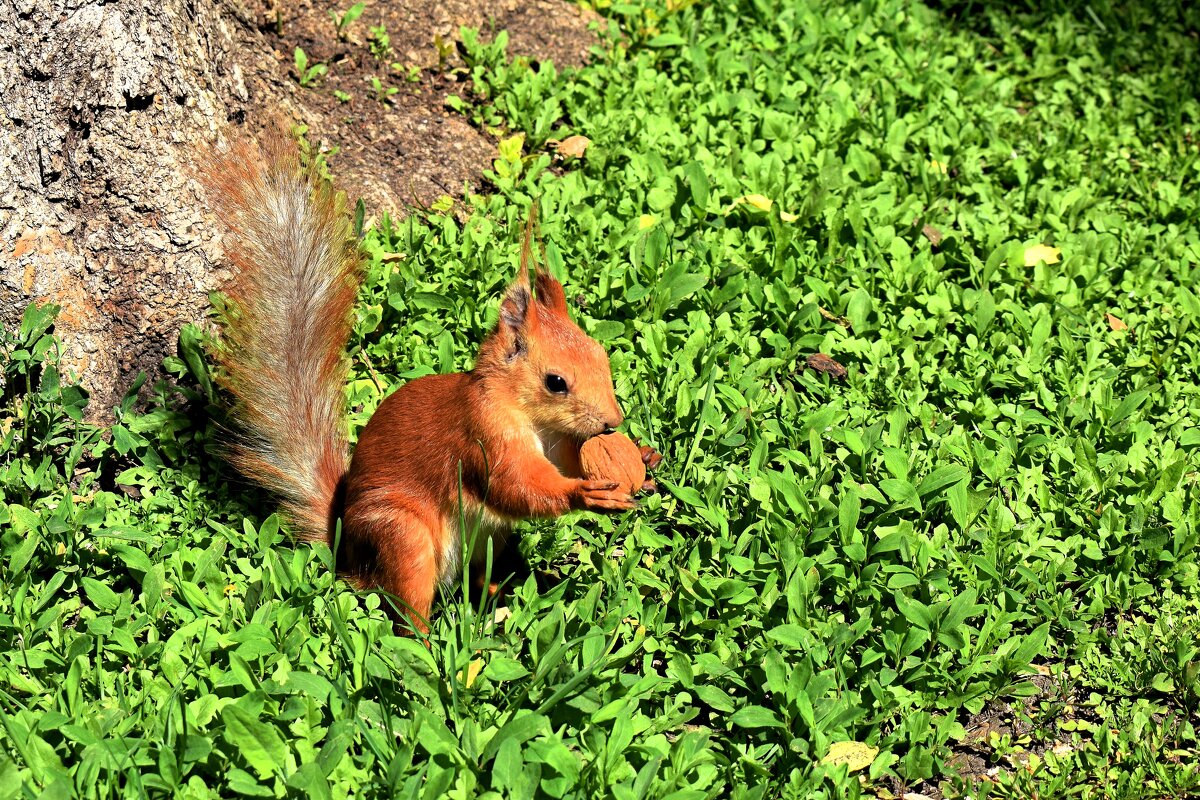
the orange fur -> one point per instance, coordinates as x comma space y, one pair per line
502, 426
491, 446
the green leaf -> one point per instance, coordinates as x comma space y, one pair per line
510, 147
793, 636
519, 729
901, 493
848, 511
666, 40
760, 489
714, 698
257, 743
755, 717
99, 595
360, 213
961, 608
960, 504
1031, 646
352, 13
1128, 406
916, 612
858, 308
503, 668
433, 735
697, 182
10, 779
152, 586
311, 781
191, 350
940, 478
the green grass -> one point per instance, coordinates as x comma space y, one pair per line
992, 518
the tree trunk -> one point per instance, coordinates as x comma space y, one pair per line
105, 108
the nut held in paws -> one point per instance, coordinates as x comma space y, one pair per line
613, 457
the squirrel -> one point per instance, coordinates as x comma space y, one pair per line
495, 445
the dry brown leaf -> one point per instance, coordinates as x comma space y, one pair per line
933, 234
1115, 322
573, 146
829, 315
823, 363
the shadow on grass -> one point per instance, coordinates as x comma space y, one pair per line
1133, 36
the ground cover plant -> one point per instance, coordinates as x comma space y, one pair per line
975, 553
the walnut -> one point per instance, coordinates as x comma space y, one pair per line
613, 457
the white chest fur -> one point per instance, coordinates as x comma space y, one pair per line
470, 532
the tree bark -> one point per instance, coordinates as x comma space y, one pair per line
106, 105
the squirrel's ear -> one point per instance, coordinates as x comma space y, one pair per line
515, 319
514, 308
550, 293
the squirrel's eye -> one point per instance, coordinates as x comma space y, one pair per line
555, 383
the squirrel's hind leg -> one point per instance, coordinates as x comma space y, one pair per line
395, 548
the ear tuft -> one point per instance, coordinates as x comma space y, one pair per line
514, 309
550, 293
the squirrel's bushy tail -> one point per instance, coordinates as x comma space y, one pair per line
282, 350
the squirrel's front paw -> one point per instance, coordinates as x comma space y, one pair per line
604, 496
650, 457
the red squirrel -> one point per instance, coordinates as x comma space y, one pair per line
511, 427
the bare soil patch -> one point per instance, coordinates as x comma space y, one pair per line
401, 148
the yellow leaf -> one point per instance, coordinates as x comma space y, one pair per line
1115, 322
473, 670
855, 755
646, 221
937, 166
573, 146
761, 202
1042, 252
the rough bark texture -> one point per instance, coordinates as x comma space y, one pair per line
107, 104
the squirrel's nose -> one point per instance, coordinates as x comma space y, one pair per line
613, 422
